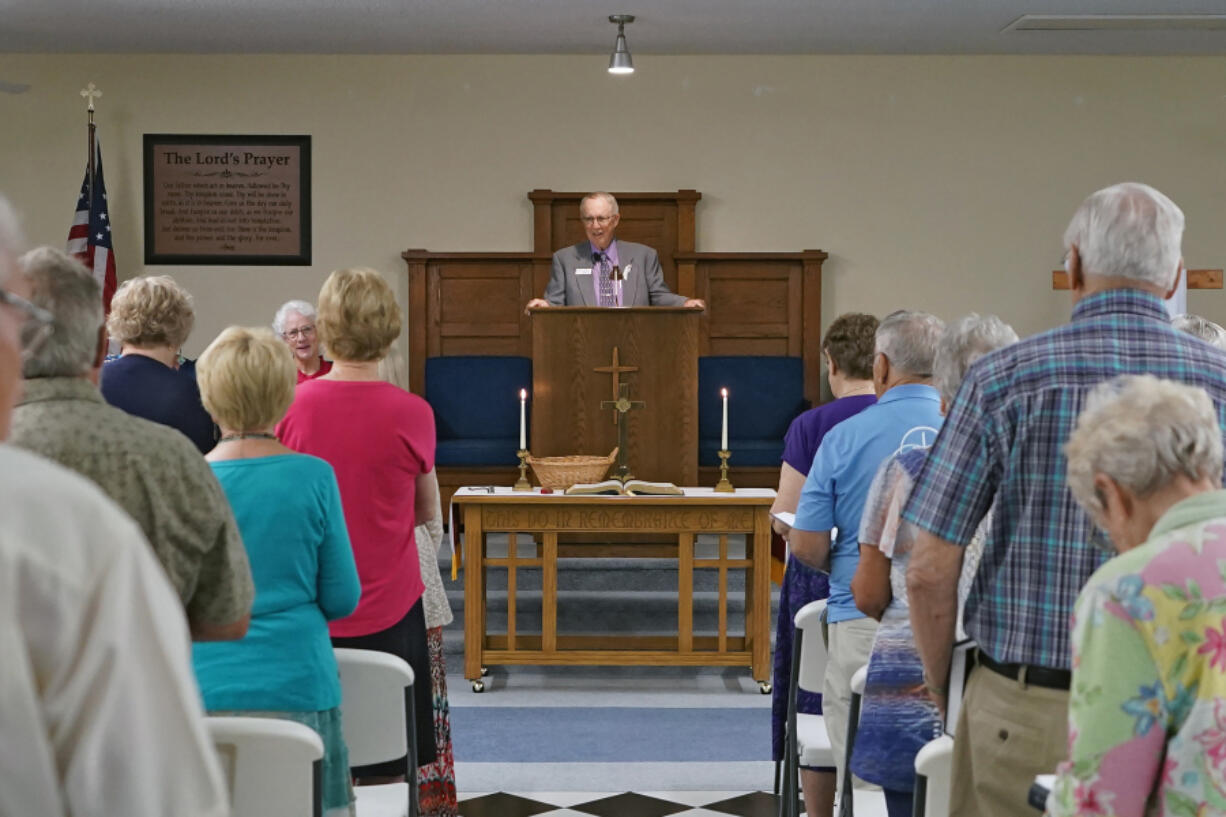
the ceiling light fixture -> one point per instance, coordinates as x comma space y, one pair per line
620, 61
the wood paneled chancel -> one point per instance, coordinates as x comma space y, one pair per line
757, 303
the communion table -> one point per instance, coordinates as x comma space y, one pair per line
551, 521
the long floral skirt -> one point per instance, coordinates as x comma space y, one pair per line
436, 781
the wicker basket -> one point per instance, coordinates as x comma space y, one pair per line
559, 473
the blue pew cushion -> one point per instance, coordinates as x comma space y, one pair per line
765, 395
477, 452
476, 397
745, 453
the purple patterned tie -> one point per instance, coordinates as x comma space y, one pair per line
604, 273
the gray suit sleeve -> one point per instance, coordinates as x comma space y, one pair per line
555, 290
658, 293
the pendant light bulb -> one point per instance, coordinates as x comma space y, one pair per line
620, 61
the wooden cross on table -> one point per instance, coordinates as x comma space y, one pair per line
616, 369
621, 405
1197, 279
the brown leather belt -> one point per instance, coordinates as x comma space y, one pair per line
1027, 673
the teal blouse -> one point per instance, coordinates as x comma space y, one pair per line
289, 512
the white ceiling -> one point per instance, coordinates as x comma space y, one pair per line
580, 26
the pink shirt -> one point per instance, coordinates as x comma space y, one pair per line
378, 438
325, 366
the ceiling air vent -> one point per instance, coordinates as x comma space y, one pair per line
1118, 22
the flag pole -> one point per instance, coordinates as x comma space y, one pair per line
91, 92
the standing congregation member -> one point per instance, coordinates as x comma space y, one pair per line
289, 510
1001, 446
897, 717
380, 441
848, 352
1202, 328
99, 713
152, 471
603, 271
295, 323
436, 781
151, 318
906, 415
1149, 643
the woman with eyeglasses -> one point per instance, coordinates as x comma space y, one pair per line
295, 323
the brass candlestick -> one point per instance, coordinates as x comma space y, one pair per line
723, 486
522, 483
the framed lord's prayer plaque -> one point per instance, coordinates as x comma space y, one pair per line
227, 199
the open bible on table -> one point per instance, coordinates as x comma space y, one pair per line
633, 487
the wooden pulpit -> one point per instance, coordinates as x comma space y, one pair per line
580, 358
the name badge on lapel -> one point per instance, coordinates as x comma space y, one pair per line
584, 271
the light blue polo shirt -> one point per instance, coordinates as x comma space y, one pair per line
837, 487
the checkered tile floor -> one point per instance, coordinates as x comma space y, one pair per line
628, 804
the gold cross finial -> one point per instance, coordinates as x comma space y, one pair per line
91, 92
622, 405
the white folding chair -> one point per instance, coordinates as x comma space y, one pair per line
1040, 790
853, 801
960, 666
375, 720
934, 765
272, 766
806, 742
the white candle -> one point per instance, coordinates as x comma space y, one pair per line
523, 419
723, 434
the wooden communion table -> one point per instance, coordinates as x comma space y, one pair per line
617, 526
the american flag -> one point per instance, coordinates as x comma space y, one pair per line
89, 239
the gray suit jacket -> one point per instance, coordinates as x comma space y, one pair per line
643, 285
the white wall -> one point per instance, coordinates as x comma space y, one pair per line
942, 183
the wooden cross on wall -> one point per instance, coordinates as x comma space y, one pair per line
1197, 279
616, 369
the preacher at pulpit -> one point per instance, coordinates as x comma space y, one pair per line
603, 271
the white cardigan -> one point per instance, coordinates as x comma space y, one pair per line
429, 538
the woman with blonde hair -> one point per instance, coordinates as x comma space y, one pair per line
380, 440
288, 508
151, 318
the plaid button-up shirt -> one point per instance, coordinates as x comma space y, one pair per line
1001, 443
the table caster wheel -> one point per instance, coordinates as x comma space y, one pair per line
478, 686
485, 671
764, 687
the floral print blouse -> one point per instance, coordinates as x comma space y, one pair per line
1147, 709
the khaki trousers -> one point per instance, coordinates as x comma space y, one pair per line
849, 644
1007, 733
